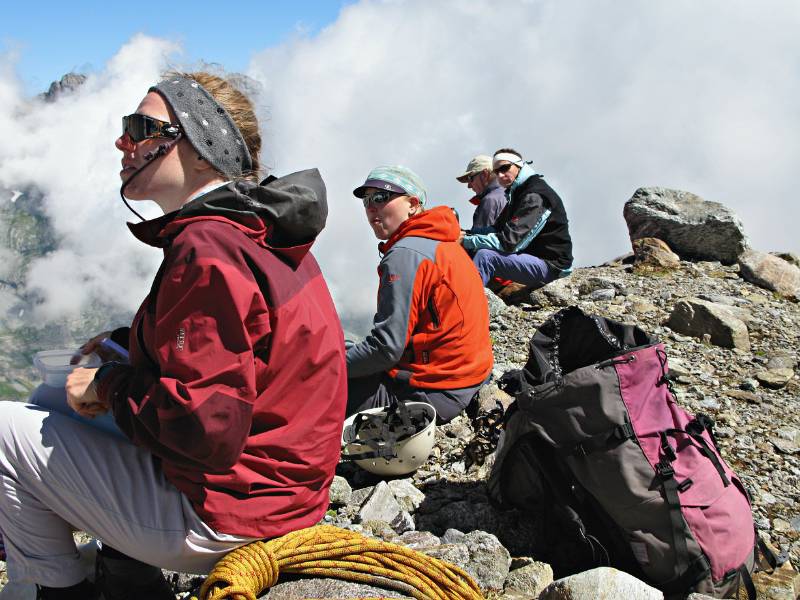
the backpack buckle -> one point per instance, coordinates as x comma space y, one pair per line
665, 470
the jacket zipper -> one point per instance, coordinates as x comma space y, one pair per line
434, 315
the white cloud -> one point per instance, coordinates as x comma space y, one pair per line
603, 96
66, 149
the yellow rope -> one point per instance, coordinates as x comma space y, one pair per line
328, 551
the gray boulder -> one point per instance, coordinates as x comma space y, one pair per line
323, 587
528, 581
340, 492
496, 306
699, 318
481, 555
380, 506
603, 583
790, 257
417, 540
407, 494
770, 272
692, 227
555, 293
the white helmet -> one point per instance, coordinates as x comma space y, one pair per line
392, 440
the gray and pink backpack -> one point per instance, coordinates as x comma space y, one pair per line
619, 474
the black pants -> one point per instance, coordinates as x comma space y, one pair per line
377, 390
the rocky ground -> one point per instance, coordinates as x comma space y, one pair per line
752, 394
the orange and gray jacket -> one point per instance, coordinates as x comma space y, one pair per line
432, 323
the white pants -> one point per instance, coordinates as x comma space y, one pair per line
58, 474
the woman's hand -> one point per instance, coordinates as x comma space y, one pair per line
93, 345
82, 395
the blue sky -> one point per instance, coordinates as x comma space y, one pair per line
52, 38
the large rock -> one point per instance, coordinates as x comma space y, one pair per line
481, 555
496, 306
380, 506
406, 493
340, 491
654, 254
782, 584
788, 257
770, 272
603, 582
699, 318
692, 227
555, 293
323, 587
528, 581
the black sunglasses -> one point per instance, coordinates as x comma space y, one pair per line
380, 197
502, 168
141, 127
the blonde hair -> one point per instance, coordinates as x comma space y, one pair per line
238, 106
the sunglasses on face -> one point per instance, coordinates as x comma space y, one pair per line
141, 127
378, 198
502, 168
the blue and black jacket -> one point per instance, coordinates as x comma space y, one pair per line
533, 222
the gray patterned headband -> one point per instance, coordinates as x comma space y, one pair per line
209, 128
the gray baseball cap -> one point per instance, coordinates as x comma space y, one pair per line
476, 165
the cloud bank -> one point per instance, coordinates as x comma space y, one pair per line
603, 97
66, 150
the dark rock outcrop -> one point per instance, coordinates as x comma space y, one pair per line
66, 85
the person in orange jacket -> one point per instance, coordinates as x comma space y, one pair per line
430, 336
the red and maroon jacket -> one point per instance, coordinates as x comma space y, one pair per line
237, 378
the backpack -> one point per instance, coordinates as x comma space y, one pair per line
620, 475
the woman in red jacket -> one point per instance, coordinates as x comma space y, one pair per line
232, 400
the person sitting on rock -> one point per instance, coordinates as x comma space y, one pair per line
489, 199
430, 336
229, 410
530, 242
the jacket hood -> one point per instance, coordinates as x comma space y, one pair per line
438, 223
285, 214
525, 173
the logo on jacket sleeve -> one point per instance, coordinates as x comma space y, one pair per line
392, 277
180, 339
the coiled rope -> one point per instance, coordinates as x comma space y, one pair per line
328, 551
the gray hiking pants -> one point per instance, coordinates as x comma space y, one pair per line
376, 391
58, 474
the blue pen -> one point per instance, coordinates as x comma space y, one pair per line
114, 347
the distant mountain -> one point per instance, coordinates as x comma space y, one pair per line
25, 235
67, 84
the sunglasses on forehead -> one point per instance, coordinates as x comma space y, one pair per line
502, 168
141, 127
380, 197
